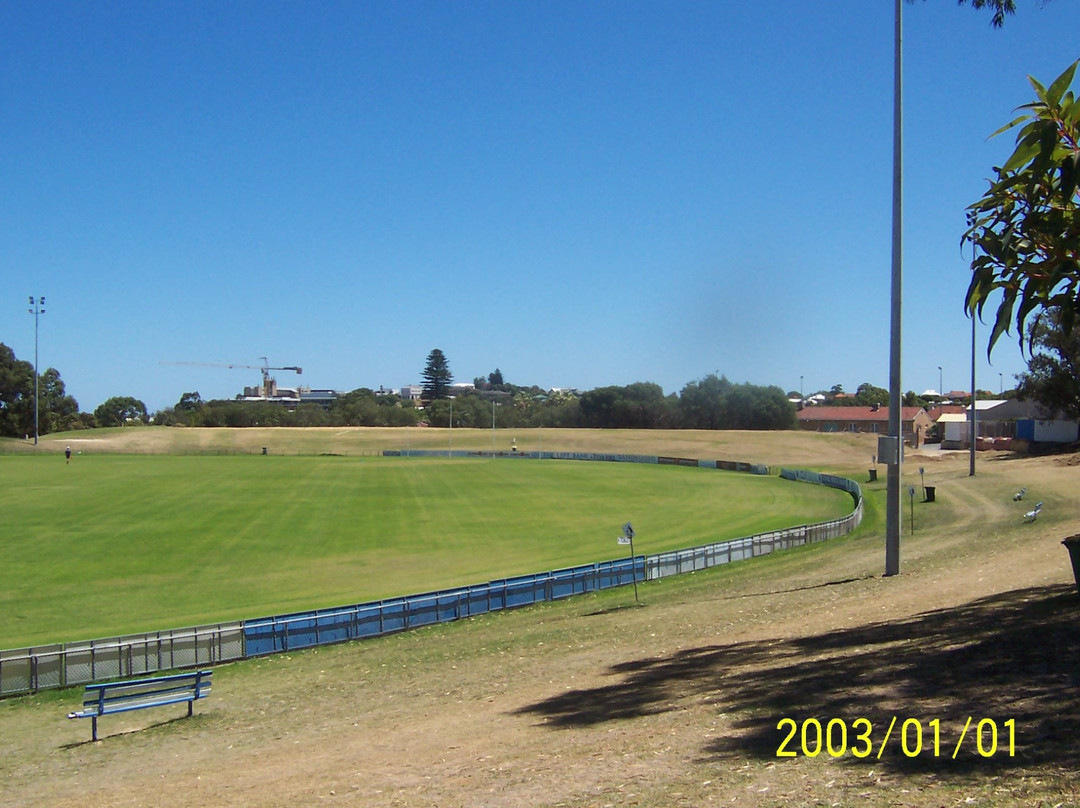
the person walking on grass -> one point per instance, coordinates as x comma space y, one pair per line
67, 454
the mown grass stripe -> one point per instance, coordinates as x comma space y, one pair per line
117, 544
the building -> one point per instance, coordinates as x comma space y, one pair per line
915, 421
998, 423
324, 398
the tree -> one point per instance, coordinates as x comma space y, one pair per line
120, 410
913, 399
58, 412
1025, 231
1053, 375
867, 395
16, 394
751, 406
1000, 8
436, 376
189, 402
641, 405
701, 403
495, 378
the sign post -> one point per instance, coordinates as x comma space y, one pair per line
627, 537
911, 496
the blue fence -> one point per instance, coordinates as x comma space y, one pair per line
28, 670
304, 629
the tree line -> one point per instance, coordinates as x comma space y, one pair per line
709, 403
712, 403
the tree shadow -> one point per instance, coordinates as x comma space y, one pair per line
1015, 655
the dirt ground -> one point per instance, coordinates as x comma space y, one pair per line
597, 702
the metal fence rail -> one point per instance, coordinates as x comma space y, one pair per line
28, 670
677, 562
304, 629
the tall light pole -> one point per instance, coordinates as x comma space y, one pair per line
892, 487
974, 417
940, 389
36, 304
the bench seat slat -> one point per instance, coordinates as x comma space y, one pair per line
127, 706
122, 697
126, 694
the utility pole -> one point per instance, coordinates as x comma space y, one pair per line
892, 488
36, 309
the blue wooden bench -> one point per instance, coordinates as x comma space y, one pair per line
135, 694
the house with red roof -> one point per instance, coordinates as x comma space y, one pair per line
914, 420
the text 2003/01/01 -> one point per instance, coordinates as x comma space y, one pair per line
811, 737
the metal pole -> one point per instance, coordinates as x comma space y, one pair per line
36, 303
492, 427
974, 427
892, 492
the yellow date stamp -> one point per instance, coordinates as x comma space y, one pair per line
911, 737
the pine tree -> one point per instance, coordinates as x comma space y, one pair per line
436, 376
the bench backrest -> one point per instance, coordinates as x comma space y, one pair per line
113, 697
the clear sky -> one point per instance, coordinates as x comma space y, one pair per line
577, 193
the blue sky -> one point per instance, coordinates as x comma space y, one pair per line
578, 193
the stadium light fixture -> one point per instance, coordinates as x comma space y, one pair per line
36, 309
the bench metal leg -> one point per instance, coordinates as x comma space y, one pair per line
93, 720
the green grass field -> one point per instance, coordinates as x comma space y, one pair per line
115, 544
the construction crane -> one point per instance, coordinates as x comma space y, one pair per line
264, 368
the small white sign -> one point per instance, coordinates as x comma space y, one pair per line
624, 539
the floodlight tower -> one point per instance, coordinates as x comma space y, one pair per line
36, 309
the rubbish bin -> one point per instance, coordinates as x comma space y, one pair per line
929, 493
1072, 544
873, 475
264, 450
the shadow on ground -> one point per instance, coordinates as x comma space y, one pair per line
1015, 655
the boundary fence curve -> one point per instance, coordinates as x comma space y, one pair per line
28, 670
